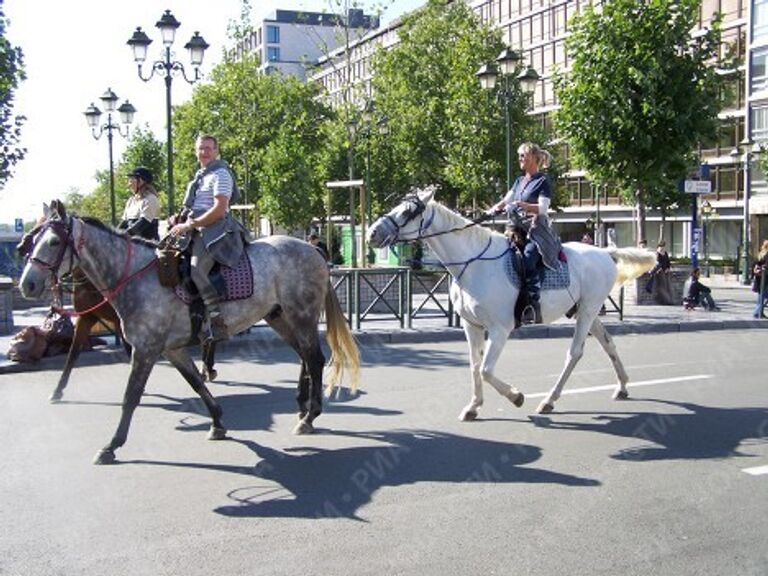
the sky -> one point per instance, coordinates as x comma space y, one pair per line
74, 50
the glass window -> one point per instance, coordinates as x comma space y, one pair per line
760, 123
273, 53
273, 34
759, 70
759, 20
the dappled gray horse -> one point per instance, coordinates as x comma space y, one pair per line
291, 290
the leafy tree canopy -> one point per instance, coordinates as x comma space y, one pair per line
11, 74
640, 94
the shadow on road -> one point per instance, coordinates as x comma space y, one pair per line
701, 433
336, 483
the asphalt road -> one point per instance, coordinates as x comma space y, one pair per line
667, 483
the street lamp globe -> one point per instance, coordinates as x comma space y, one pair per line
197, 47
109, 99
508, 61
487, 75
168, 25
126, 111
92, 115
139, 43
528, 79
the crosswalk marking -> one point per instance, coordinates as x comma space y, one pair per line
630, 385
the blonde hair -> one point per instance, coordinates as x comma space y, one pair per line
543, 157
763, 249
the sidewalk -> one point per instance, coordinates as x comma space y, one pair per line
735, 300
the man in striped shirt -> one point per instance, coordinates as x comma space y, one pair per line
215, 236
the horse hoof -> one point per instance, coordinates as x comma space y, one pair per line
545, 408
55, 398
468, 415
517, 398
621, 395
211, 375
303, 427
217, 433
105, 456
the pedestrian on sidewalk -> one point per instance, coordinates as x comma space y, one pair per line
659, 275
698, 294
759, 284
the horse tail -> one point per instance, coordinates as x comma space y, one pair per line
344, 352
631, 262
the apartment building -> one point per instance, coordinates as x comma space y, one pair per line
291, 41
738, 204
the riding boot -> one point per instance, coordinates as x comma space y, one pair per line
532, 313
218, 330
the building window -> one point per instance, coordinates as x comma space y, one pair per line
273, 35
760, 123
759, 70
273, 53
760, 20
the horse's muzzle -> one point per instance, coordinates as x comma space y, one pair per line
381, 233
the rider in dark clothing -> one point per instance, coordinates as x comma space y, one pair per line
529, 198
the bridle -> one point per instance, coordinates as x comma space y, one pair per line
65, 233
420, 209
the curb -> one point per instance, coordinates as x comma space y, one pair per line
262, 339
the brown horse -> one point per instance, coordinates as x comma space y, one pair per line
91, 309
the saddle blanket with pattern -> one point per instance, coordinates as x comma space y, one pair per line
238, 282
557, 279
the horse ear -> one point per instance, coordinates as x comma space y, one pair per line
427, 194
57, 209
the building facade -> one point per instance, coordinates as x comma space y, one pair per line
737, 208
292, 42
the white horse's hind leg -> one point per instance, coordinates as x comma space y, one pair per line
605, 340
475, 338
572, 357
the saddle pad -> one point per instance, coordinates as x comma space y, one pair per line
238, 281
553, 279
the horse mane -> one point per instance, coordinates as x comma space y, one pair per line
458, 220
95, 222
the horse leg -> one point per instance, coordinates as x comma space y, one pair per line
186, 367
497, 339
572, 357
605, 340
310, 385
141, 365
79, 341
209, 351
475, 339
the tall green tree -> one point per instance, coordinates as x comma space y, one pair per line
11, 74
443, 128
639, 96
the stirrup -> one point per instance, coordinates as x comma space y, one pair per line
531, 315
217, 329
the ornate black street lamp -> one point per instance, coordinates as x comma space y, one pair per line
168, 68
93, 115
511, 78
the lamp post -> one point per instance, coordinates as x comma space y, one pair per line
93, 115
507, 73
707, 211
382, 126
168, 68
746, 157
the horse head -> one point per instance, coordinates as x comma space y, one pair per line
405, 221
46, 248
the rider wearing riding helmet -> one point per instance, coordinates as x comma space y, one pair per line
142, 211
527, 201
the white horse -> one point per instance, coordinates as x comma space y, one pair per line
485, 289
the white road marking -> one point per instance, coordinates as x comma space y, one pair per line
756, 471
630, 385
